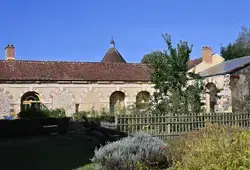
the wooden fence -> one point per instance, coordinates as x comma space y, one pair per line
170, 126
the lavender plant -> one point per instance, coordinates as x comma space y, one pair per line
129, 152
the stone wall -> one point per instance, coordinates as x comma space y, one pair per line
219, 82
224, 100
68, 95
233, 88
6, 101
240, 88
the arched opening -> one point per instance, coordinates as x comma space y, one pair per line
212, 91
116, 102
30, 101
142, 100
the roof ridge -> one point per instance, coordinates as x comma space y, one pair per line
72, 62
52, 61
237, 58
220, 68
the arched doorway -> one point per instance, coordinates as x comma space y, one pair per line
142, 100
212, 91
116, 102
30, 101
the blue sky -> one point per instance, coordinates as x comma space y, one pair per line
80, 30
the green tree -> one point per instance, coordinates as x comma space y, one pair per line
151, 56
239, 48
170, 77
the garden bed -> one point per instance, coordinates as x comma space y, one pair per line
59, 152
30, 127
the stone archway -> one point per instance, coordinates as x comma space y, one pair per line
91, 100
212, 92
116, 102
142, 100
30, 101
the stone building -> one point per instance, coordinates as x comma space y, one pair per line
74, 86
78, 86
227, 82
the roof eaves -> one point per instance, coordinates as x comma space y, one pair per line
229, 72
240, 67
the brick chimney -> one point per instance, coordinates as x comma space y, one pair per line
207, 54
10, 52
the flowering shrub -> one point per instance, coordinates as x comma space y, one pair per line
137, 152
214, 147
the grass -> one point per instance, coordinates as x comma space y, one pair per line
45, 153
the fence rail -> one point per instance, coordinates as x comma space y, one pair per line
166, 125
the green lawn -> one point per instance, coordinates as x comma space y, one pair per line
45, 153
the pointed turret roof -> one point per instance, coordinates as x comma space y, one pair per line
113, 55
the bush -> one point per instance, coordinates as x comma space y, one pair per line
103, 118
32, 114
94, 116
139, 151
57, 113
79, 115
214, 147
90, 167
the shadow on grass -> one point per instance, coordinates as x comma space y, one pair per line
45, 153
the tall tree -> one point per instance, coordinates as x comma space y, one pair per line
170, 77
151, 56
244, 37
239, 48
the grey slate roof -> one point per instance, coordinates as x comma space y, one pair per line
226, 67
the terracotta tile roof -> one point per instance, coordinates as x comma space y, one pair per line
113, 55
74, 71
193, 63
